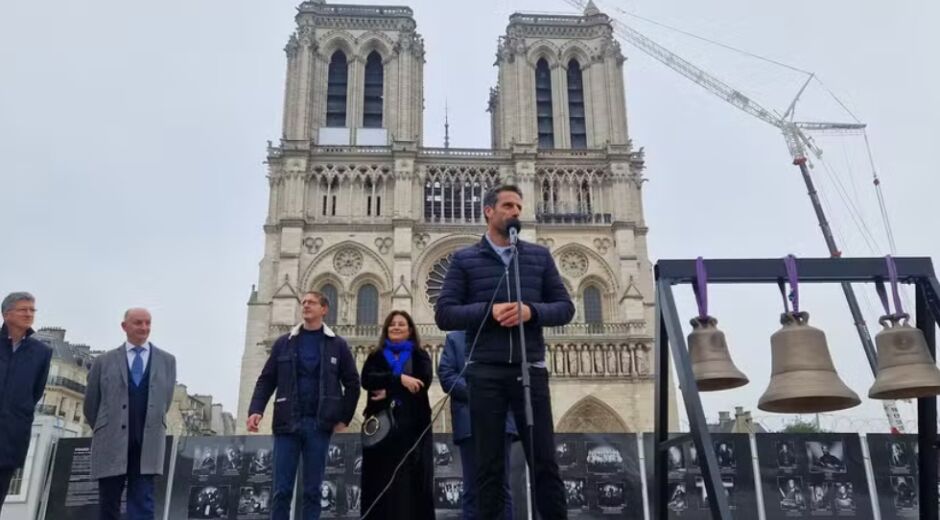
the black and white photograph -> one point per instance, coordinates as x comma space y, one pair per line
574, 493
328, 496
208, 502
565, 454
724, 452
335, 458
260, 462
678, 496
827, 478
820, 496
604, 458
254, 500
610, 496
842, 498
442, 454
899, 458
447, 493
825, 457
727, 483
786, 455
791, 495
675, 460
685, 464
353, 498
205, 460
905, 493
231, 460
693, 456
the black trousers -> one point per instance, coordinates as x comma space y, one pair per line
6, 475
494, 389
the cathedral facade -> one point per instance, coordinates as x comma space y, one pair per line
360, 210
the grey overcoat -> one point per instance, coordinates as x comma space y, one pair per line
106, 411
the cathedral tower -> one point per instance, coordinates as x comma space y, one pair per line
362, 212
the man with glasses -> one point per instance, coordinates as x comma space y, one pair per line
314, 374
24, 366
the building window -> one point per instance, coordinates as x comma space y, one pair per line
373, 192
329, 290
329, 190
16, 483
19, 483
455, 194
584, 198
543, 104
372, 97
576, 116
593, 309
367, 305
436, 278
337, 79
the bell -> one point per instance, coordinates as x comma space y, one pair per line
711, 362
905, 368
803, 379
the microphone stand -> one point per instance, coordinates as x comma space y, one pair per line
526, 383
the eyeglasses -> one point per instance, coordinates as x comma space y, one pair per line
26, 310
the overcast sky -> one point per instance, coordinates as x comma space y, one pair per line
132, 137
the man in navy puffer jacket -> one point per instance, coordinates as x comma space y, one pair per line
477, 273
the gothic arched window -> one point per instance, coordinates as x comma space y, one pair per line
337, 79
593, 309
373, 193
329, 290
372, 96
543, 104
329, 190
367, 305
576, 116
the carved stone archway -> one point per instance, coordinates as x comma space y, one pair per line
591, 415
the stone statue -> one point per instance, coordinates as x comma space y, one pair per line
572, 355
585, 360
626, 360
598, 351
642, 360
611, 359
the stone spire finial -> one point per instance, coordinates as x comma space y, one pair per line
590, 9
446, 127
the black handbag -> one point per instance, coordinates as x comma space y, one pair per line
379, 427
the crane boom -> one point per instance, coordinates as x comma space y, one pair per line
797, 142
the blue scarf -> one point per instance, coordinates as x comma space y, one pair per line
403, 349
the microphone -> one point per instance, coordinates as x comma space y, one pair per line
513, 226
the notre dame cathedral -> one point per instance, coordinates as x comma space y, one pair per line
360, 210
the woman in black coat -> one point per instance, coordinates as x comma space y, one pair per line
399, 371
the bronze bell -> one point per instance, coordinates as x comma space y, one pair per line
711, 362
905, 368
803, 380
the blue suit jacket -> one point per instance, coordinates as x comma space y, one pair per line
449, 369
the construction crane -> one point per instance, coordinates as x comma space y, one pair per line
798, 142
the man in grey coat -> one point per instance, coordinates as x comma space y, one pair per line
129, 392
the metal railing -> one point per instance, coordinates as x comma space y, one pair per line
45, 409
573, 218
68, 384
